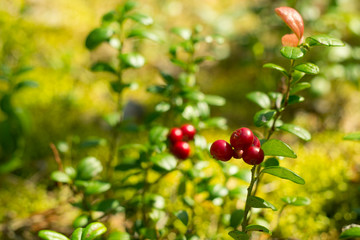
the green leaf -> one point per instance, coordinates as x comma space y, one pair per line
260, 98
109, 205
299, 87
259, 228
308, 68
293, 99
165, 161
185, 33
297, 76
275, 147
237, 235
183, 216
276, 67
81, 221
141, 18
92, 143
218, 122
76, 235
296, 130
97, 36
93, 231
215, 100
284, 173
51, 235
88, 168
162, 107
109, 17
134, 60
158, 134
93, 187
236, 218
292, 52
296, 201
59, 176
271, 162
256, 202
119, 235
102, 67
324, 40
353, 136
263, 116
350, 232
144, 34
129, 5
25, 84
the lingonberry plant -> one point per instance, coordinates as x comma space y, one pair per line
118, 28
273, 105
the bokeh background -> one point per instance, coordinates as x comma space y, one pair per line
69, 101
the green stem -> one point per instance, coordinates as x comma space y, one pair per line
249, 193
115, 132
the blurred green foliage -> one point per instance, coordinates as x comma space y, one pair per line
66, 106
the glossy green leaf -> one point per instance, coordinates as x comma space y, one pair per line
291, 52
215, 100
263, 116
260, 98
158, 134
276, 67
353, 136
144, 34
236, 218
59, 176
237, 235
103, 67
141, 18
293, 99
299, 87
324, 40
275, 147
25, 84
162, 107
183, 216
165, 161
259, 228
76, 235
119, 236
256, 202
134, 60
93, 187
297, 76
296, 201
81, 221
93, 231
185, 33
284, 173
271, 162
51, 235
352, 231
296, 130
308, 68
97, 36
109, 205
88, 168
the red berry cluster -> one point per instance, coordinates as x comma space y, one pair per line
243, 144
178, 138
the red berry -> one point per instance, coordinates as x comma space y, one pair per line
253, 155
241, 138
221, 150
175, 135
181, 150
256, 142
238, 153
188, 131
